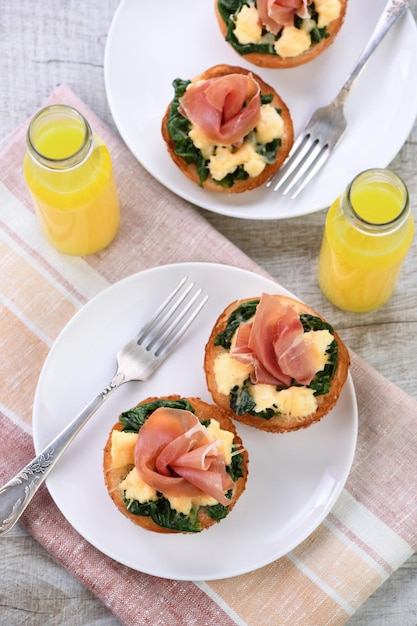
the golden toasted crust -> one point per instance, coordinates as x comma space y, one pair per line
276, 62
287, 139
114, 476
281, 423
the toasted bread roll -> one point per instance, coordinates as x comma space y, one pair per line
150, 508
286, 374
296, 41
241, 153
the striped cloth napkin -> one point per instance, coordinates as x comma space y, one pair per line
371, 530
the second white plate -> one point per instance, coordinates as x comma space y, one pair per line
152, 43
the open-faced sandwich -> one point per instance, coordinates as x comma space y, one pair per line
274, 363
175, 465
280, 33
227, 130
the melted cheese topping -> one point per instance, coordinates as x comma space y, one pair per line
223, 160
296, 401
122, 453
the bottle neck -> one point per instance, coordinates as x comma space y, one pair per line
59, 137
376, 202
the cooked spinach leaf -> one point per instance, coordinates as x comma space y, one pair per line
267, 99
161, 513
269, 150
242, 402
228, 9
229, 180
311, 322
236, 468
322, 380
219, 511
318, 34
240, 399
179, 127
134, 419
242, 313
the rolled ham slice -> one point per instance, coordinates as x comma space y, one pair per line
174, 455
225, 109
275, 14
274, 341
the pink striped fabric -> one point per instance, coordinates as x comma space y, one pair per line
371, 530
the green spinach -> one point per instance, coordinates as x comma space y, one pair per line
161, 513
242, 313
179, 127
218, 511
242, 402
269, 150
134, 419
322, 380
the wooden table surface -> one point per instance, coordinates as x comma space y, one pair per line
43, 44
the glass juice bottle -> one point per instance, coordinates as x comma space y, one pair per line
368, 232
69, 173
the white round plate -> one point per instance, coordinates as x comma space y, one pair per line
294, 479
152, 43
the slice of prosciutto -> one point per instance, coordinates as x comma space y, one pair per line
225, 109
174, 455
274, 344
275, 14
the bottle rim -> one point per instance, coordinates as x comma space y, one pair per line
378, 227
72, 159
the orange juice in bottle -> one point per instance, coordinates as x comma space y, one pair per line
69, 173
368, 232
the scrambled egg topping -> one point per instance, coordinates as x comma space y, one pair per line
248, 28
328, 11
293, 41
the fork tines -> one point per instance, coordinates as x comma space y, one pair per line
311, 149
172, 318
306, 158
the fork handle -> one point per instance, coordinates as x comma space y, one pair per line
391, 13
19, 491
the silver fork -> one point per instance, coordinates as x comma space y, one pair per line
137, 360
327, 125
